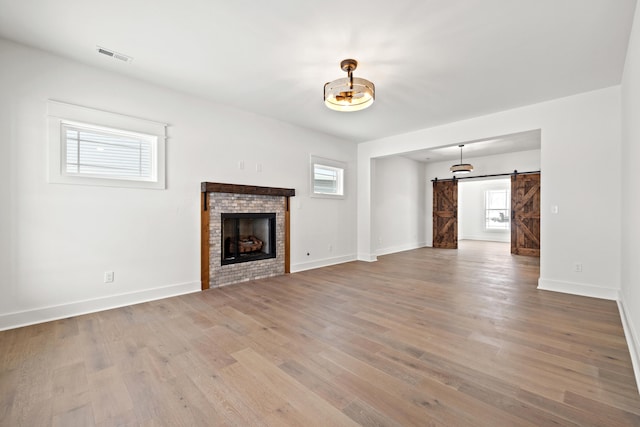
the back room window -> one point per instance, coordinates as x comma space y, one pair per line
497, 209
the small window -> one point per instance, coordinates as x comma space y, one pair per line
497, 209
94, 147
108, 153
327, 177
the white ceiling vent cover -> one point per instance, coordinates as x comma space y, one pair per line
114, 54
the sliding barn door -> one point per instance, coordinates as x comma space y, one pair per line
445, 214
525, 214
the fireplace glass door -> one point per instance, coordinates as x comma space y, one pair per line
248, 237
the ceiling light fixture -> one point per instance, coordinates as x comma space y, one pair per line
350, 93
461, 168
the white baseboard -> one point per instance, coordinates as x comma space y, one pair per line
46, 314
578, 289
633, 340
400, 248
321, 263
367, 257
485, 238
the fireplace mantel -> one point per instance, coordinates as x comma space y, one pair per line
217, 187
238, 197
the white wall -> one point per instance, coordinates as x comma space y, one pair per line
57, 240
471, 210
580, 161
523, 161
398, 205
630, 298
7, 201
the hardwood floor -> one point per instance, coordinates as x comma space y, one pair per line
429, 337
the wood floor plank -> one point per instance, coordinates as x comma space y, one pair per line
259, 396
365, 415
425, 337
314, 382
312, 406
433, 398
109, 396
77, 416
222, 397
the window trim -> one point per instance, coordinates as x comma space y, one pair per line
335, 164
60, 114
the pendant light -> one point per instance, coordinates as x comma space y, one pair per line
350, 93
461, 168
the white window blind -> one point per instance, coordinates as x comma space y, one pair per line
108, 153
327, 177
327, 180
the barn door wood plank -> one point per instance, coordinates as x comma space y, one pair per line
525, 216
445, 214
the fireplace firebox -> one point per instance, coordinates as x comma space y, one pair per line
248, 237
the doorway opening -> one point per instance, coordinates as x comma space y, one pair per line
484, 210
520, 212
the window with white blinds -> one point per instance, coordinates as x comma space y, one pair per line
101, 148
327, 178
108, 153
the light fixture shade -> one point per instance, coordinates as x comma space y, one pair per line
340, 96
461, 168
350, 93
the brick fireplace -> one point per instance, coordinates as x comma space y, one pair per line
219, 201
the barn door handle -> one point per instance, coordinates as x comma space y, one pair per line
513, 214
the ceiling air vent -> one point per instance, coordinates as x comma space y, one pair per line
114, 54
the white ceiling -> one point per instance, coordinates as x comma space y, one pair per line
432, 61
523, 141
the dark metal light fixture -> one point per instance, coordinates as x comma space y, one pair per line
350, 93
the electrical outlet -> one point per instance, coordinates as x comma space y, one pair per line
108, 277
577, 267
330, 248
